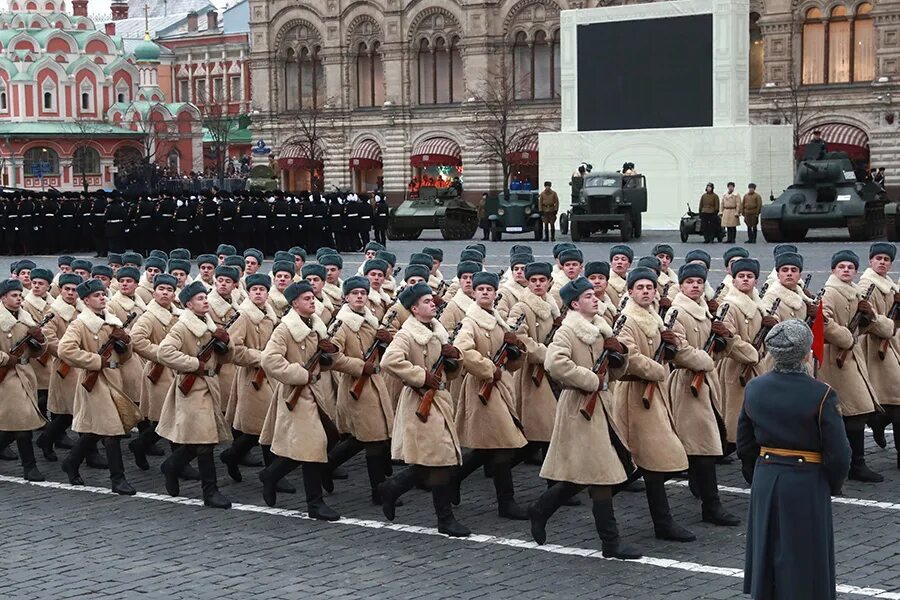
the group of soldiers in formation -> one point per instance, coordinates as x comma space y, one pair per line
52, 222
602, 372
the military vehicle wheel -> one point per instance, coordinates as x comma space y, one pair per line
771, 229
394, 233
538, 230
458, 227
684, 236
564, 223
870, 226
496, 234
636, 227
626, 229
796, 235
890, 227
576, 232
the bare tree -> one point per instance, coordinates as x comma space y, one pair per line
309, 122
220, 125
498, 128
85, 131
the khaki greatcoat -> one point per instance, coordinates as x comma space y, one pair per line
147, 333
884, 374
121, 306
37, 308
61, 391
744, 319
18, 390
247, 407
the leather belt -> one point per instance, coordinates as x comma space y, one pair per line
632, 378
280, 215
801, 455
167, 215
146, 216
25, 216
114, 221
49, 215
178, 220
226, 218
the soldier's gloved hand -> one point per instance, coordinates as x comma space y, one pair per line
665, 303
668, 336
432, 381
510, 338
769, 321
449, 351
222, 335
866, 308
811, 310
438, 301
368, 368
384, 336
808, 293
327, 346
325, 361
120, 335
36, 334
720, 329
557, 322
614, 345
498, 374
713, 305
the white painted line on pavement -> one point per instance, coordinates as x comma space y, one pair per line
665, 563
834, 499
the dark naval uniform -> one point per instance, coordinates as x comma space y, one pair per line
796, 455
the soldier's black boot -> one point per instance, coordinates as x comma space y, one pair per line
878, 422
120, 485
552, 232
471, 461
605, 521
72, 462
664, 525
506, 500
341, 453
53, 431
548, 503
26, 453
391, 490
186, 472
232, 455
312, 485
859, 470
571, 501
42, 402
93, 458
150, 447
140, 445
447, 523
703, 470
546, 232
173, 466
283, 486
375, 469
6, 453
272, 474
206, 464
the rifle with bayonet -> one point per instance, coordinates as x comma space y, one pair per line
660, 357
759, 341
712, 342
437, 369
18, 351
853, 326
206, 352
372, 356
600, 367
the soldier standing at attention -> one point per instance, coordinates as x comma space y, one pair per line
709, 213
548, 205
730, 212
647, 421
19, 412
193, 420
430, 448
751, 206
584, 452
795, 455
105, 411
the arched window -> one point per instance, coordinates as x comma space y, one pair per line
86, 161
4, 106
87, 97
173, 160
369, 74
46, 157
440, 71
425, 58
48, 96
536, 65
839, 48
304, 78
757, 53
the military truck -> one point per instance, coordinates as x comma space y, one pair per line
518, 214
825, 194
892, 221
433, 208
607, 201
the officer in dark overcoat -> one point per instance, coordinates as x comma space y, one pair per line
209, 222
280, 220
49, 232
794, 451
165, 222
227, 219
114, 225
382, 216
98, 223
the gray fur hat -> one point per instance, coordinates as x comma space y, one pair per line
789, 342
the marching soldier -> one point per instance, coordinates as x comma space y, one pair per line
315, 274
572, 261
696, 409
732, 254
333, 264
597, 272
437, 257
667, 276
620, 258
206, 265
298, 436
647, 421
153, 266
514, 288
192, 418
584, 452
19, 411
37, 302
104, 411
463, 300
794, 303
124, 302
378, 301
844, 363
489, 427
282, 277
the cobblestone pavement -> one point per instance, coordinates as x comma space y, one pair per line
64, 542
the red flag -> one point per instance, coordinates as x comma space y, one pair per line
818, 331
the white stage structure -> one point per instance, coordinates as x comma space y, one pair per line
677, 161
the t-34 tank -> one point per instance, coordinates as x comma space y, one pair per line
433, 208
825, 194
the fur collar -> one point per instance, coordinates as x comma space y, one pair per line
127, 303
848, 290
145, 282
617, 283
278, 301
484, 319
790, 298
697, 310
606, 306
39, 303
884, 284
462, 301
196, 325
324, 304
389, 287
543, 309
299, 330
8, 320
378, 297
162, 315
749, 305
333, 291
434, 281
67, 312
218, 305
354, 320
515, 290
422, 335
556, 272
94, 323
255, 314
237, 296
668, 276
561, 279
647, 319
587, 331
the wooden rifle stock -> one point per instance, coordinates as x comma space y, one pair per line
18, 351
424, 408
155, 373
708, 347
187, 383
258, 379
371, 358
658, 356
311, 364
63, 369
106, 350
758, 341
538, 372
892, 315
499, 360
853, 326
663, 294
600, 367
